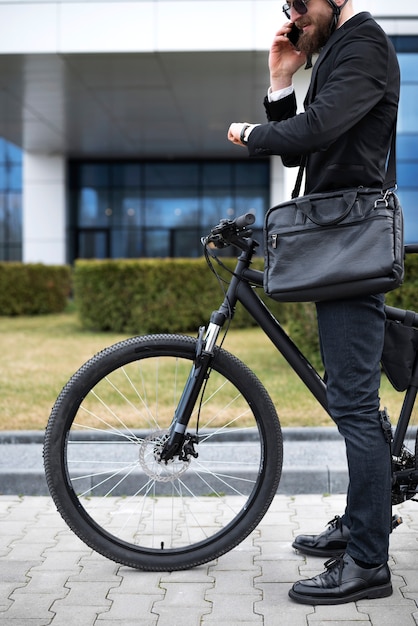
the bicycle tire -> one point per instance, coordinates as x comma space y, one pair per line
101, 468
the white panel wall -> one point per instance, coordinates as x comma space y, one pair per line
71, 26
149, 25
143, 25
43, 209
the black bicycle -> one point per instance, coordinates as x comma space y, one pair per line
163, 452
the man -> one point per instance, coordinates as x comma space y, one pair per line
344, 135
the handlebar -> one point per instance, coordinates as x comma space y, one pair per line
234, 232
230, 232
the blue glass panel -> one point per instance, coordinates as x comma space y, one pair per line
409, 202
252, 202
408, 64
14, 176
407, 146
252, 174
127, 243
171, 207
408, 113
92, 245
186, 243
13, 153
217, 175
126, 175
93, 175
217, 205
94, 208
164, 175
10, 202
157, 243
405, 43
126, 208
407, 174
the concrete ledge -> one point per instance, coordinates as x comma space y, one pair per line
293, 482
312, 462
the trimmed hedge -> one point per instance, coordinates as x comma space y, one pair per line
151, 295
33, 288
178, 295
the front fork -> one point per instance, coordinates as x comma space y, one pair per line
178, 442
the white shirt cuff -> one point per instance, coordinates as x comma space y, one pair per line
273, 96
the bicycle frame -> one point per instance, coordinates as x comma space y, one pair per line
241, 289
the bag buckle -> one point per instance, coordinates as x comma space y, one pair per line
384, 200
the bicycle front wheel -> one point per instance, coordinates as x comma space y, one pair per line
102, 464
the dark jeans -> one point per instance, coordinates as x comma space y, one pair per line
351, 335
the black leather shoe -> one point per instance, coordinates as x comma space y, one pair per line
332, 542
343, 581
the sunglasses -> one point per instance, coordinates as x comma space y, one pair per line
299, 6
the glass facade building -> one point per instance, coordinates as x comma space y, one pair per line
407, 138
131, 209
158, 209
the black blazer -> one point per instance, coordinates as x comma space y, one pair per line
350, 110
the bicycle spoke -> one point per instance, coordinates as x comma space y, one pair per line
144, 508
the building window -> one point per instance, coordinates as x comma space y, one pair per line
407, 136
10, 202
159, 209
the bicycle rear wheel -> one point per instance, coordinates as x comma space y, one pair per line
102, 465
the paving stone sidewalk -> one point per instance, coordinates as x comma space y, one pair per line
48, 576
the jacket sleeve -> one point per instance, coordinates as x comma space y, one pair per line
351, 80
278, 111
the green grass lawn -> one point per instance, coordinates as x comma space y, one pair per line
39, 354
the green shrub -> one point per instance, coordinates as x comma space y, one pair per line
33, 289
406, 297
178, 295
152, 295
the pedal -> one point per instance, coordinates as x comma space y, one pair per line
396, 521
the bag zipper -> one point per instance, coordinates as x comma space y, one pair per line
275, 237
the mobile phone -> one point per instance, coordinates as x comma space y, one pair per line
294, 35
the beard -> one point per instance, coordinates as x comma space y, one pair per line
312, 42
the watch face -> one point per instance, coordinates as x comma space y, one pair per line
242, 134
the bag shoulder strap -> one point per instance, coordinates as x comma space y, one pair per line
390, 178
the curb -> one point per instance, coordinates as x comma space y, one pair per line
314, 462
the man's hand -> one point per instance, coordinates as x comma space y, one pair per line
284, 59
234, 132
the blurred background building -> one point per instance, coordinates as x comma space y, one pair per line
114, 114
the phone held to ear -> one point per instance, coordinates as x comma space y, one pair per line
294, 35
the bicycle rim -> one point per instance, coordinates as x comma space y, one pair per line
101, 455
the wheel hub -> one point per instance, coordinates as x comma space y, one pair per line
150, 459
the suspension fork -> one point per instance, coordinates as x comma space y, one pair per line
205, 351
189, 397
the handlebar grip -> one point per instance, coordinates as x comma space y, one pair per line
411, 248
245, 220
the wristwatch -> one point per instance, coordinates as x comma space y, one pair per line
242, 137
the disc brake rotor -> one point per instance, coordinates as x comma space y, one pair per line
150, 459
